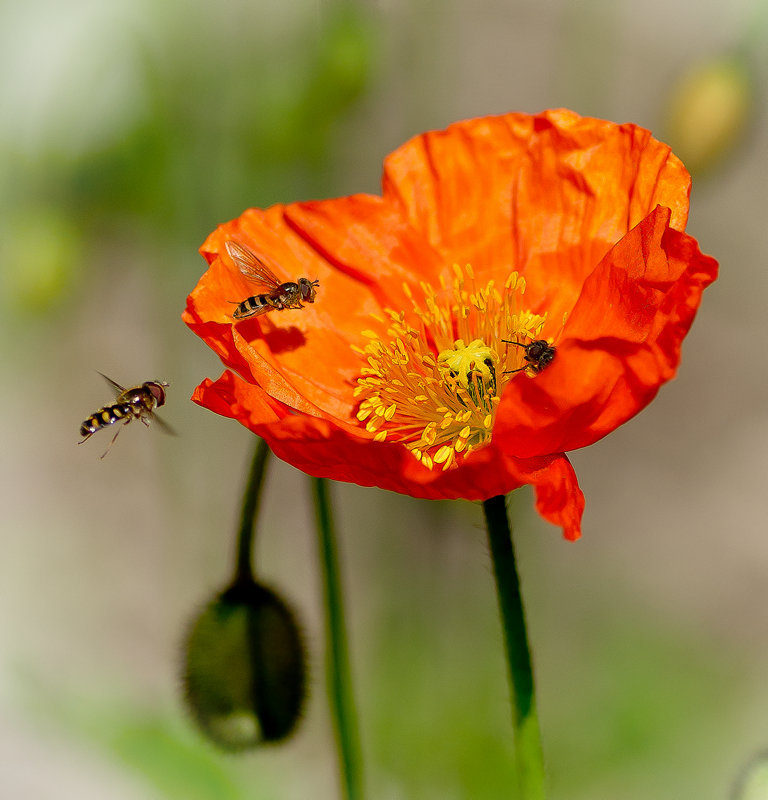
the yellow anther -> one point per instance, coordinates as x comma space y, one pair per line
432, 376
429, 434
442, 454
373, 424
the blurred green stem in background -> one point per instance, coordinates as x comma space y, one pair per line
251, 498
337, 655
529, 759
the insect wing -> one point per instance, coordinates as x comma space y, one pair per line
163, 425
251, 265
117, 388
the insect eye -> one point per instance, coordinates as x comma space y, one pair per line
158, 392
306, 288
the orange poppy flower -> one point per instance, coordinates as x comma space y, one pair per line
413, 370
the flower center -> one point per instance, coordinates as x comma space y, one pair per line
433, 383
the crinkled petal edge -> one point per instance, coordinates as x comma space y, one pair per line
320, 448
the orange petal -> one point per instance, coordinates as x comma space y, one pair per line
582, 185
559, 499
304, 356
619, 345
455, 188
368, 239
320, 448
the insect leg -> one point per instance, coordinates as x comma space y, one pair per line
119, 428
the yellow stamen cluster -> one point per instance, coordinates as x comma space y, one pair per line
435, 376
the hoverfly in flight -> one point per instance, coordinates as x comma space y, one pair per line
539, 354
280, 295
138, 402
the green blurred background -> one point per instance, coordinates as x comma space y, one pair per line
129, 130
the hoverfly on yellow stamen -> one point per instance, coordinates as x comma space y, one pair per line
434, 377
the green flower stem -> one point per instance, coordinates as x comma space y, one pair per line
529, 759
339, 683
251, 498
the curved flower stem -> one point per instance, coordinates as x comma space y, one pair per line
528, 754
339, 683
251, 498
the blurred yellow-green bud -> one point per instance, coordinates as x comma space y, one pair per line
709, 111
754, 782
244, 671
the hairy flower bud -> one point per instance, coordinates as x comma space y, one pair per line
244, 671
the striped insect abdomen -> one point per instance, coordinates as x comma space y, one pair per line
104, 417
253, 306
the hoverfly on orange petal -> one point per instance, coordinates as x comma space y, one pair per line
280, 295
